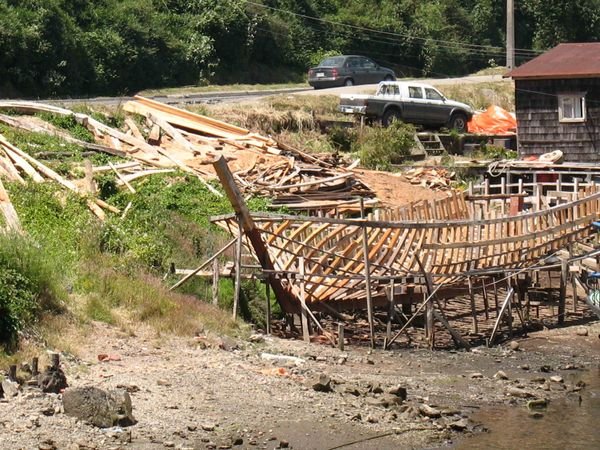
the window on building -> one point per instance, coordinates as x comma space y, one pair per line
571, 108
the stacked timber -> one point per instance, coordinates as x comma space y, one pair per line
436, 179
167, 138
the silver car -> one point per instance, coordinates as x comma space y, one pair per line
348, 70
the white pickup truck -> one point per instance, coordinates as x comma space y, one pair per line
411, 102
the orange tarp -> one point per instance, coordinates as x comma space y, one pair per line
493, 120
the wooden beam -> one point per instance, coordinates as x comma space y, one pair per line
237, 201
367, 270
238, 270
203, 265
8, 211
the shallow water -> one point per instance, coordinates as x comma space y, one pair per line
566, 424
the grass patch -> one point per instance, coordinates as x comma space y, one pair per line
482, 95
30, 285
190, 90
146, 300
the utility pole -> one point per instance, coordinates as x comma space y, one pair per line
510, 34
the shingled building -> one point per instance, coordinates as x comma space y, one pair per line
558, 102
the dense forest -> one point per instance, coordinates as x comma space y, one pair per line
87, 47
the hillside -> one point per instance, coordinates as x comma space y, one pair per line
79, 48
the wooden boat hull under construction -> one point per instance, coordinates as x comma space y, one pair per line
338, 261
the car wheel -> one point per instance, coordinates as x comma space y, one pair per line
389, 116
458, 122
349, 82
388, 78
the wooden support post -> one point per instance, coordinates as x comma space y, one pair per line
564, 273
203, 265
473, 306
55, 360
574, 289
390, 317
504, 308
429, 325
238, 269
12, 372
237, 201
215, 282
268, 295
367, 264
341, 336
303, 313
496, 296
485, 300
35, 366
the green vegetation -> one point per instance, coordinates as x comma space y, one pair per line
378, 147
29, 286
112, 269
79, 47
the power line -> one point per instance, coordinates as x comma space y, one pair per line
386, 33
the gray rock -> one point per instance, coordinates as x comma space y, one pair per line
10, 388
320, 383
399, 391
514, 345
539, 403
100, 408
428, 411
520, 393
52, 380
501, 375
557, 379
256, 338
476, 375
459, 425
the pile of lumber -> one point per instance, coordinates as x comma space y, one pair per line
167, 138
16, 165
436, 179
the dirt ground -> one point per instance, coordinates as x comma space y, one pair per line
394, 190
211, 392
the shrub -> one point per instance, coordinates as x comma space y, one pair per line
378, 147
342, 138
29, 286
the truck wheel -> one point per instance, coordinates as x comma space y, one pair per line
349, 82
389, 116
458, 122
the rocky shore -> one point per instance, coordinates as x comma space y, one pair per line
266, 393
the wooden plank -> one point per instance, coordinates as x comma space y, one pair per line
11, 217
239, 206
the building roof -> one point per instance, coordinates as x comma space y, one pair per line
563, 61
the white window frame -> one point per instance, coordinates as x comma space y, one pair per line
575, 97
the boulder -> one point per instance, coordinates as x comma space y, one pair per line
399, 391
501, 375
459, 425
100, 408
520, 393
582, 331
514, 345
428, 411
53, 380
10, 388
320, 383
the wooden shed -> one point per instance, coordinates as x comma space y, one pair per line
558, 102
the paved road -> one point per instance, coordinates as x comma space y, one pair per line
247, 96
371, 88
